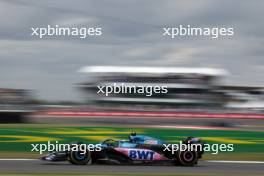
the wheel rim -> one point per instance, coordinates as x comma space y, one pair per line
188, 156
79, 155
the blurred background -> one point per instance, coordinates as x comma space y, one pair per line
48, 87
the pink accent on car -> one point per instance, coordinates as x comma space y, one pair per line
141, 154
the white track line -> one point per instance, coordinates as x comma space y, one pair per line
17, 159
210, 161
238, 162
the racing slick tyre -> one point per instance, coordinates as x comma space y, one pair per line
199, 142
187, 158
79, 157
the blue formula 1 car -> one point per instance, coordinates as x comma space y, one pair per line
138, 149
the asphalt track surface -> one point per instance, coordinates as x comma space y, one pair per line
203, 168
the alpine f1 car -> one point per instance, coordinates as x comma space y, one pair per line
138, 149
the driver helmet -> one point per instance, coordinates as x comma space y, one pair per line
132, 135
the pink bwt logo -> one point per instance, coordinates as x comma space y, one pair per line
141, 154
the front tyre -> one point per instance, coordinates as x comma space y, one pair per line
187, 158
79, 157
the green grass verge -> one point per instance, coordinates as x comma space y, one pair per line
18, 138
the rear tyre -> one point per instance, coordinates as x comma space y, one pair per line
187, 158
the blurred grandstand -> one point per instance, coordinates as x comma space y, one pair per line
14, 105
197, 92
191, 89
